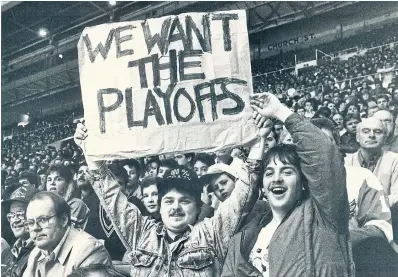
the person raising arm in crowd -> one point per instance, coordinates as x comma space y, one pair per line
176, 246
307, 232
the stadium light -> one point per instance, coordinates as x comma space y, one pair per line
112, 3
43, 32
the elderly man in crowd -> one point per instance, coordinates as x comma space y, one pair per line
60, 248
16, 260
177, 246
391, 141
371, 135
370, 218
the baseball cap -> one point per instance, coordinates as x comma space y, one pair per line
22, 194
180, 174
220, 168
372, 104
180, 177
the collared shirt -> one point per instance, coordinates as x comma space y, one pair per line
368, 163
54, 254
76, 249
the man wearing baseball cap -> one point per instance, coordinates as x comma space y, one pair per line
178, 245
17, 258
221, 179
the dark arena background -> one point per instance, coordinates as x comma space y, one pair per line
323, 60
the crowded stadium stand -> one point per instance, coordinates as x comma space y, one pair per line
321, 59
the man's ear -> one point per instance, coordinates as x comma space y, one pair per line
64, 220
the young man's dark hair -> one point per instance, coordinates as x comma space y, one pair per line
323, 112
166, 165
148, 181
347, 107
33, 178
133, 163
63, 170
60, 206
98, 270
382, 96
204, 158
349, 117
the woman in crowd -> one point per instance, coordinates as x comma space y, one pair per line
60, 181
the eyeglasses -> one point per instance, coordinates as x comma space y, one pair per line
15, 216
41, 221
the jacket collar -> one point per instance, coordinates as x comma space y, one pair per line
251, 231
68, 245
65, 246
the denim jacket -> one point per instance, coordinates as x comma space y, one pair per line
198, 252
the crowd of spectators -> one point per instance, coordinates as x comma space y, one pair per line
113, 213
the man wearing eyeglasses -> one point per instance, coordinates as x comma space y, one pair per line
60, 248
16, 259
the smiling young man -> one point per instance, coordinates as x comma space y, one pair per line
306, 234
60, 248
178, 245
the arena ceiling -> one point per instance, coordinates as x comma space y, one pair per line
22, 46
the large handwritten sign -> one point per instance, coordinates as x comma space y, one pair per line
171, 84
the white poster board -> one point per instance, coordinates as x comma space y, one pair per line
172, 84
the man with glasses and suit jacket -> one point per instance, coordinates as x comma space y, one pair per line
60, 248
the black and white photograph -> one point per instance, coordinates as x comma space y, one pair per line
199, 138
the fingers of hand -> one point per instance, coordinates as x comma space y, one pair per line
259, 119
80, 134
254, 115
257, 103
260, 122
81, 127
260, 96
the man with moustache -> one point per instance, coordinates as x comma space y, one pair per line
60, 248
16, 259
177, 246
